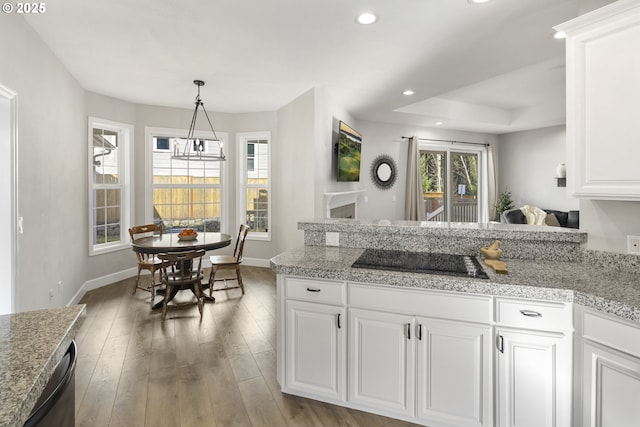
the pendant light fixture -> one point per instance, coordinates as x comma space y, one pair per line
199, 151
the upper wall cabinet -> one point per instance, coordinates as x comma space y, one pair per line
603, 102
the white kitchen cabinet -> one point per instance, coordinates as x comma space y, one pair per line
603, 98
382, 361
611, 387
528, 379
453, 373
315, 340
533, 386
401, 359
610, 371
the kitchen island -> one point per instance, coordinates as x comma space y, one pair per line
529, 347
31, 346
612, 291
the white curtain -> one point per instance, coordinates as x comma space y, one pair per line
492, 182
414, 199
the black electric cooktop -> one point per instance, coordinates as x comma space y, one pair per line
421, 262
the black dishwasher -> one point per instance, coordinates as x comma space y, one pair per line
56, 405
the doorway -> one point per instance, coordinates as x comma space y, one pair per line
8, 199
452, 177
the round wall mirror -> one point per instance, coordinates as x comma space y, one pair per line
383, 172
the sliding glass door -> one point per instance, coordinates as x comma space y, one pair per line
451, 183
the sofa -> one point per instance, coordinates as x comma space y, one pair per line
568, 219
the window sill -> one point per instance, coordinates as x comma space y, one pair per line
108, 248
265, 237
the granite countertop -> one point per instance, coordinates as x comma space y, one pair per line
610, 291
31, 345
450, 230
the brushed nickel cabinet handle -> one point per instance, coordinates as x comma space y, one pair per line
530, 313
500, 343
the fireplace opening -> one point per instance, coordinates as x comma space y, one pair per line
344, 211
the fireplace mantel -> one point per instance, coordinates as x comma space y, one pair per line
337, 199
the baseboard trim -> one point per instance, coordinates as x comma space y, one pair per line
99, 282
108, 279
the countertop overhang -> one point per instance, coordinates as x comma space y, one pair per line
610, 291
448, 229
31, 346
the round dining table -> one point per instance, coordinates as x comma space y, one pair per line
171, 243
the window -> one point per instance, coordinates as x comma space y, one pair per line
163, 144
185, 193
254, 204
452, 182
109, 185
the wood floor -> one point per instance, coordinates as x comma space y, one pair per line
133, 370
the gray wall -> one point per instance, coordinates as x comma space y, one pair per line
294, 170
528, 162
52, 178
608, 223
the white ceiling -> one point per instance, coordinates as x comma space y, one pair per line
492, 67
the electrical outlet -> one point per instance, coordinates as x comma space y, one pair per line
332, 238
50, 295
633, 245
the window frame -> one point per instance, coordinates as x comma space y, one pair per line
243, 139
483, 187
125, 156
150, 133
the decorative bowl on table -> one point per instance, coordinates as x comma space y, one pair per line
188, 234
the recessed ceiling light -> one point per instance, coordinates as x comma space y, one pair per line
408, 92
366, 18
439, 123
477, 1
560, 35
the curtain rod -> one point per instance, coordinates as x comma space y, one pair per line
451, 142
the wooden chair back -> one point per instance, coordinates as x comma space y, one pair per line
180, 267
138, 230
242, 236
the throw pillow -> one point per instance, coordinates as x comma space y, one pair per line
552, 220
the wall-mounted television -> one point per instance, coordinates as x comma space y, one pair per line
349, 149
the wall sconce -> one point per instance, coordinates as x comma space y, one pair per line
561, 175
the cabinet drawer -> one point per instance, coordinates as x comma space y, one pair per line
470, 308
321, 291
612, 332
546, 316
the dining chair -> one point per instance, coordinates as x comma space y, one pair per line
148, 262
180, 271
229, 262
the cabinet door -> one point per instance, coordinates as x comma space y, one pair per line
382, 361
315, 343
534, 379
603, 97
454, 373
611, 387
